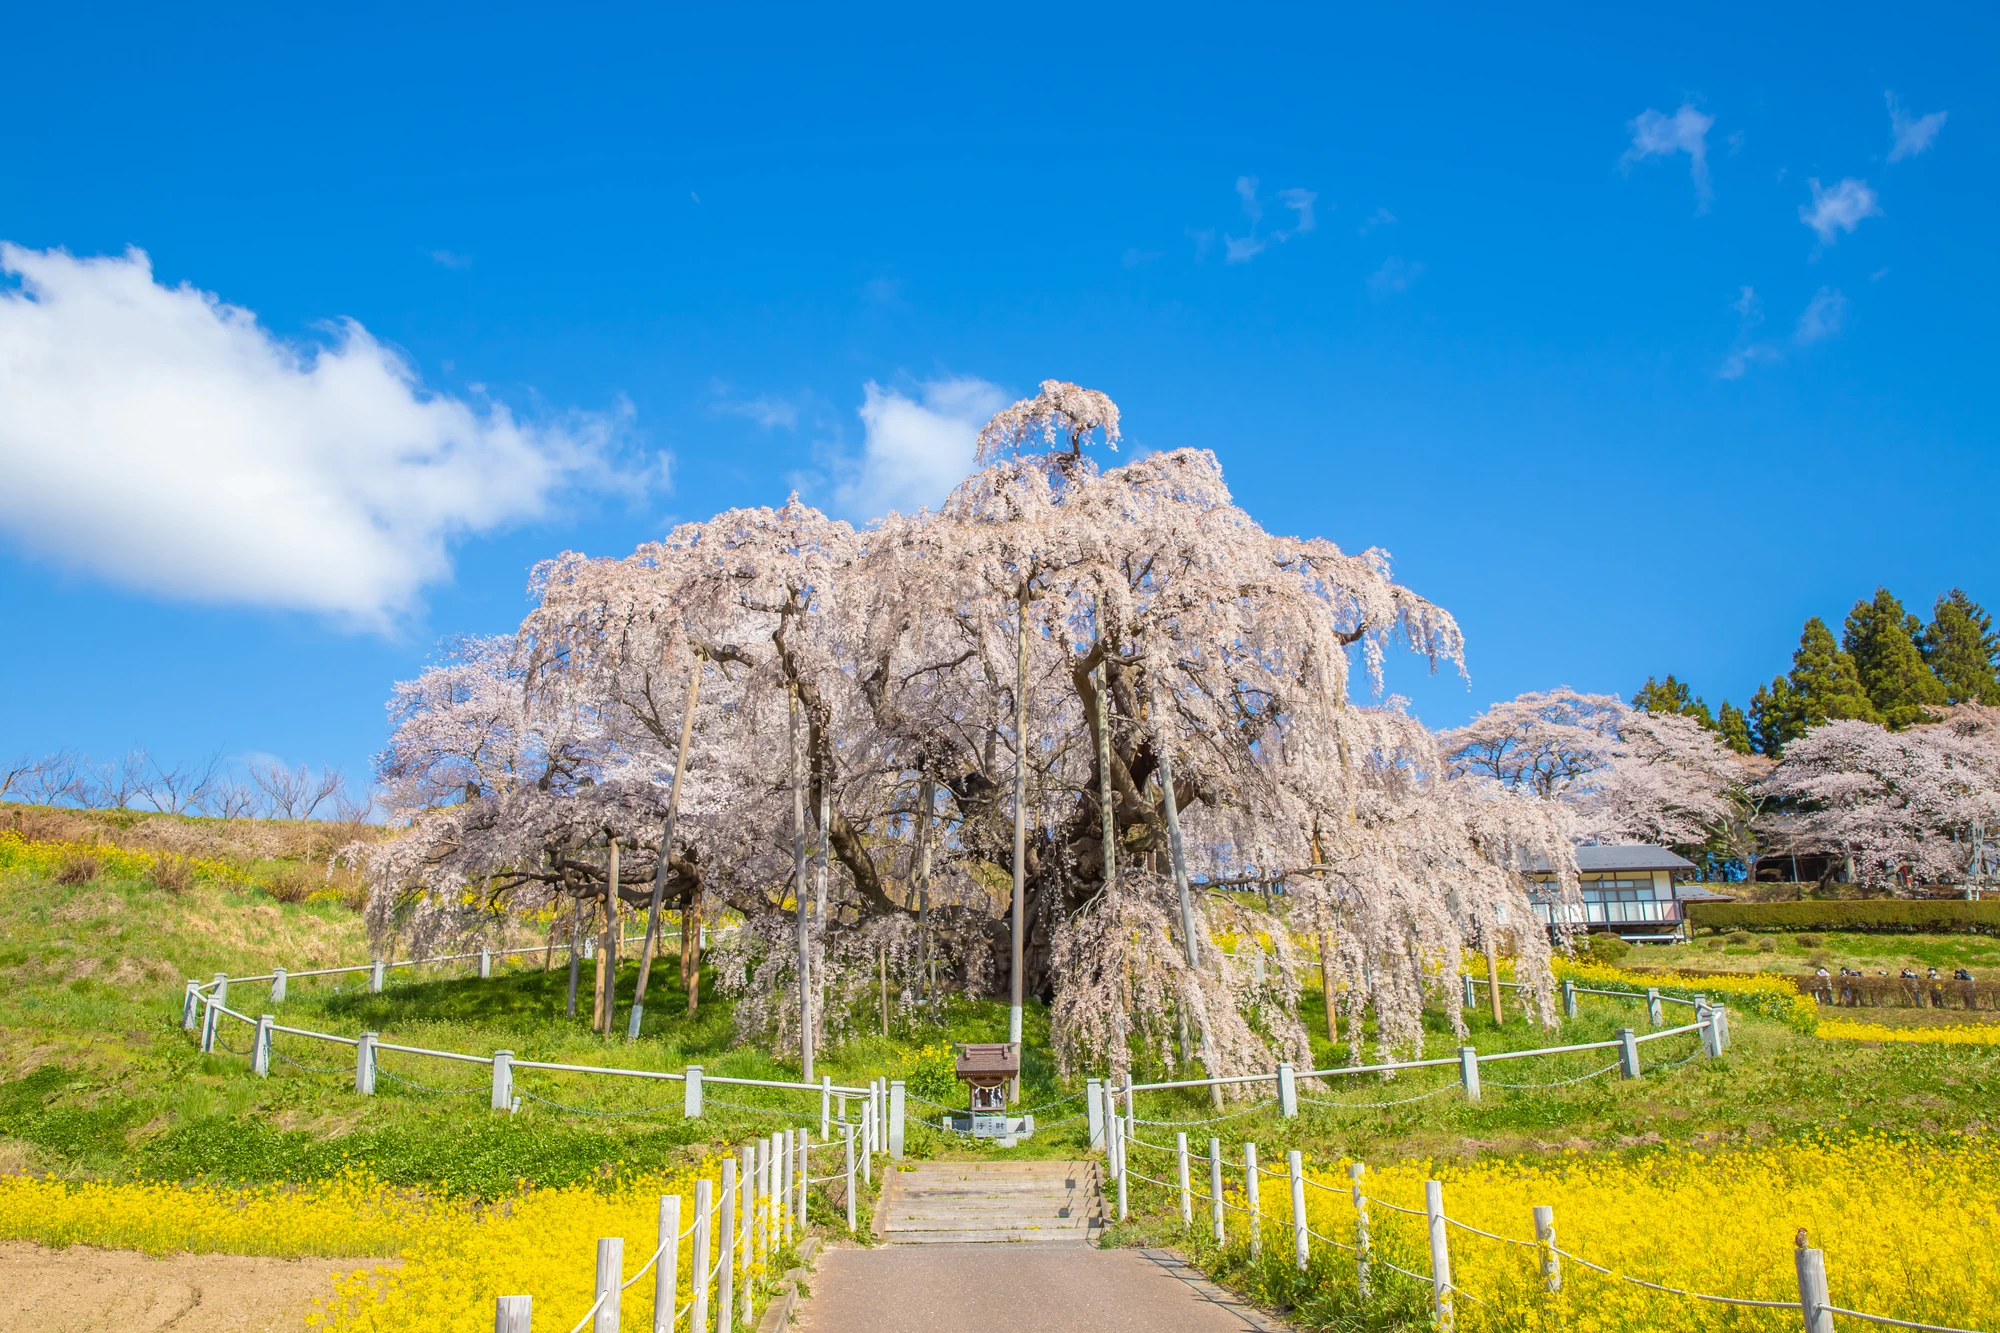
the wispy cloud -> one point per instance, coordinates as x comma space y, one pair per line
1840, 209
1914, 134
1243, 249
1823, 317
1381, 217
769, 410
1133, 258
1655, 134
914, 449
1204, 241
451, 260
1395, 275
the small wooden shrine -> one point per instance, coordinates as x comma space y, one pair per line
987, 1068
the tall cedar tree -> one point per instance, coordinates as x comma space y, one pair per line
1670, 696
1963, 650
1735, 728
1823, 685
1882, 637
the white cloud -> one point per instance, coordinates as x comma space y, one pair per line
1822, 318
1840, 209
451, 260
915, 450
1750, 313
1204, 241
1243, 249
1300, 202
1381, 217
1395, 275
1240, 250
1658, 135
1913, 134
162, 440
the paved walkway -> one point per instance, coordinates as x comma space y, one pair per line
1016, 1289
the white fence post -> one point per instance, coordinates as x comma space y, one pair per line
375, 977
1468, 1072
364, 1065
1628, 1053
191, 1006
1288, 1090
485, 963
1215, 1187
1296, 1166
260, 1047
1253, 1198
691, 1098
1093, 1106
725, 1294
221, 988
1363, 1244
847, 1133
805, 1178
513, 1314
1471, 1001
211, 1016
1181, 1167
1440, 1255
1131, 1115
1569, 999
781, 1187
746, 1212
1706, 1018
278, 986
896, 1119
825, 1107
763, 1237
1118, 1161
1813, 1297
704, 1199
1545, 1236
610, 1272
667, 1273
1720, 1017
1653, 1006
503, 1081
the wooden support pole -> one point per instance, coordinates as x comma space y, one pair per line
610, 1272
513, 1314
666, 1273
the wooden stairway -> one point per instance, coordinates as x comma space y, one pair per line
1042, 1203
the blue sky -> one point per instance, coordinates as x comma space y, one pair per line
1550, 307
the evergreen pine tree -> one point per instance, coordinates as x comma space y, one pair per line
1735, 728
1963, 650
1823, 686
1881, 638
1670, 696
1774, 716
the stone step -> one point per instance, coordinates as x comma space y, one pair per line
1041, 1203
1073, 1238
901, 1224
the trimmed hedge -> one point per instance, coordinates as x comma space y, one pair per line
1944, 916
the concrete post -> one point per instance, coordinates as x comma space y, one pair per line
221, 988
589, 947
1363, 1244
1706, 1017
805, 1175
1131, 1115
610, 1272
1215, 1187
260, 1047
1468, 1072
513, 1314
1569, 999
1545, 1237
704, 1199
1471, 998
1721, 1016
782, 1188
211, 1015
1653, 1006
364, 1065
1628, 1053
896, 1119
847, 1133
725, 1295
278, 986
691, 1100
485, 963
375, 977
825, 1107
746, 1213
1813, 1297
1440, 1256
1118, 1160
1093, 1106
763, 1199
666, 1273
503, 1081
1253, 1198
1296, 1168
1288, 1090
191, 1006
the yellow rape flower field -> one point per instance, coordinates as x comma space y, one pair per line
456, 1255
1840, 1029
1910, 1232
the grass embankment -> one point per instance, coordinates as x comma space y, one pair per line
1794, 954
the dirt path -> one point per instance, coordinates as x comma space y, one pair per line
84, 1290
1004, 1288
